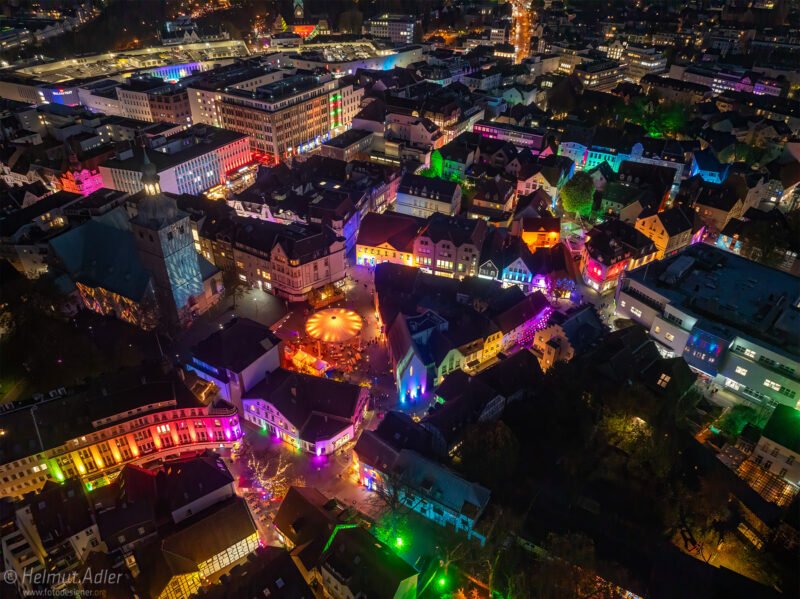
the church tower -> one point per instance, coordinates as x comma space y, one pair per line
299, 11
164, 239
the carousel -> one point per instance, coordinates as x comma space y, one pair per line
335, 334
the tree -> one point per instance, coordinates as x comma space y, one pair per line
234, 286
489, 453
570, 569
577, 196
737, 417
396, 500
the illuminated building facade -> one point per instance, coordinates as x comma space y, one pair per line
611, 248
522, 137
401, 29
290, 261
314, 414
450, 246
290, 116
166, 249
91, 433
600, 75
430, 489
678, 301
387, 237
640, 62
778, 449
191, 161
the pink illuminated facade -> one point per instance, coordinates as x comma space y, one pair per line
162, 430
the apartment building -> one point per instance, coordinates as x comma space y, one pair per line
93, 431
401, 29
292, 115
600, 75
192, 161
423, 196
778, 449
205, 93
733, 320
642, 61
450, 246
290, 261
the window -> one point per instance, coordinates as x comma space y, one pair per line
772, 385
669, 336
657, 329
768, 464
732, 384
636, 311
783, 472
749, 353
664, 380
740, 370
790, 460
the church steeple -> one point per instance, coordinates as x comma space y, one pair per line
150, 178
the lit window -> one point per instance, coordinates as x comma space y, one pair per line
664, 380
749, 353
669, 336
772, 385
740, 370
636, 311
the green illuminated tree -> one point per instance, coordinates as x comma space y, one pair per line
577, 195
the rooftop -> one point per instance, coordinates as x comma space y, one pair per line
236, 346
731, 294
179, 148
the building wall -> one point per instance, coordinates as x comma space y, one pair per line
202, 503
370, 256
422, 207
777, 459
161, 431
758, 373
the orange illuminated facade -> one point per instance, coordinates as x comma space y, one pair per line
96, 457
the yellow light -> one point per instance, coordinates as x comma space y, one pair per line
334, 325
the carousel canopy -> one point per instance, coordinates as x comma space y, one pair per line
334, 325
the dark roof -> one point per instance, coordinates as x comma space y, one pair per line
530, 307
614, 240
783, 427
675, 220
101, 254
192, 542
237, 345
306, 518
267, 572
581, 326
60, 511
11, 223
369, 567
66, 417
314, 405
398, 230
456, 229
427, 187
513, 374
181, 482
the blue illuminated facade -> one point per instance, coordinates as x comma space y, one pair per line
175, 72
166, 248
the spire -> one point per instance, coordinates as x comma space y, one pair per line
150, 178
